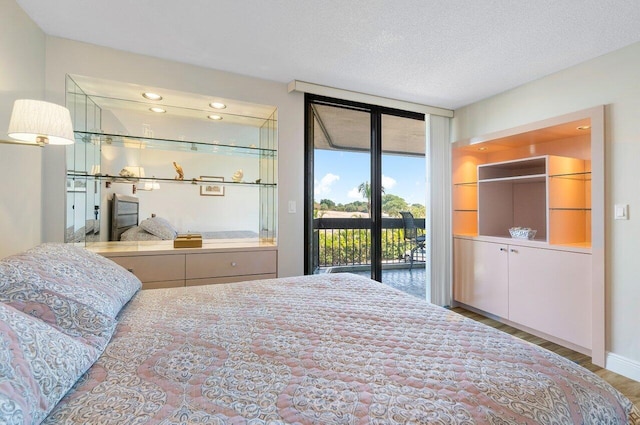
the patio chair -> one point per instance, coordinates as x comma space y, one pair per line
412, 234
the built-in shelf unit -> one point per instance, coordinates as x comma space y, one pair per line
547, 176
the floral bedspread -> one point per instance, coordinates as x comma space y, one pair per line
325, 349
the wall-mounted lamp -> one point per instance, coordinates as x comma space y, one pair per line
151, 185
41, 123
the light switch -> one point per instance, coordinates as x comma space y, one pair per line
292, 207
621, 211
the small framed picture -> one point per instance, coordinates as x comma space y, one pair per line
76, 185
210, 188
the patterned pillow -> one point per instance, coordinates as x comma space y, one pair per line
74, 273
159, 227
25, 292
137, 233
38, 365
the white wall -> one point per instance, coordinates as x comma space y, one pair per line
69, 57
182, 204
612, 80
22, 46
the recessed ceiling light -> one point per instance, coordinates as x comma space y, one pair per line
483, 148
215, 117
158, 110
217, 105
151, 96
583, 127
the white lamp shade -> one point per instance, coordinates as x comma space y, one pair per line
33, 119
152, 185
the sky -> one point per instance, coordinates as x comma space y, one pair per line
338, 174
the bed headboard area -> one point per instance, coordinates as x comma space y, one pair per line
124, 215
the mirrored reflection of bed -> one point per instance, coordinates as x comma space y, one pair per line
90, 232
127, 226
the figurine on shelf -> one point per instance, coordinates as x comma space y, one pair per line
126, 173
237, 176
178, 168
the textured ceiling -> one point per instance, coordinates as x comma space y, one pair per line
445, 53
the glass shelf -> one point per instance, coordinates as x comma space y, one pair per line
570, 209
137, 142
465, 210
137, 180
586, 175
257, 117
466, 184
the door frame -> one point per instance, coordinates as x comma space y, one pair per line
375, 151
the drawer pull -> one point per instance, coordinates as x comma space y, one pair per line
514, 250
233, 264
131, 270
503, 249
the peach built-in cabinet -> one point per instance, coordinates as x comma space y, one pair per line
547, 176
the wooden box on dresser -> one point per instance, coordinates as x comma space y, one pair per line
547, 176
159, 265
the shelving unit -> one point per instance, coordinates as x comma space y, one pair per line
114, 134
548, 193
216, 176
538, 176
191, 147
510, 194
465, 193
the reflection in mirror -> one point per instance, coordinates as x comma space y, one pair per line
187, 173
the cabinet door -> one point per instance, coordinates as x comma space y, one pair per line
550, 291
480, 276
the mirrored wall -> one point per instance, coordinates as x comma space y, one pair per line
198, 164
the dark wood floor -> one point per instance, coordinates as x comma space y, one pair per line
626, 386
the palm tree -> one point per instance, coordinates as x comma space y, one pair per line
365, 189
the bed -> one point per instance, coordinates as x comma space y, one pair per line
322, 349
126, 225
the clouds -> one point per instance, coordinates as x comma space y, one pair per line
388, 182
332, 187
323, 187
355, 194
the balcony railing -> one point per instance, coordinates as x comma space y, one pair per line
347, 242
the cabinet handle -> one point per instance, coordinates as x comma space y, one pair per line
131, 270
503, 249
233, 264
515, 251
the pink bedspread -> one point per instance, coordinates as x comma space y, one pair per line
325, 349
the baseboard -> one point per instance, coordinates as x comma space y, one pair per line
623, 366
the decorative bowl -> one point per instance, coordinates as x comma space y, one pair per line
522, 233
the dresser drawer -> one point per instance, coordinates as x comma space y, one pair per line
222, 264
228, 279
163, 284
154, 268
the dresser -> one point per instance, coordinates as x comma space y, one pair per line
160, 265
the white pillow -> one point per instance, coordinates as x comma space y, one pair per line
159, 227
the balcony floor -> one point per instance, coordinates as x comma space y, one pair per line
413, 282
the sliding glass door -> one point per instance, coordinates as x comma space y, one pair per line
365, 166
404, 176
